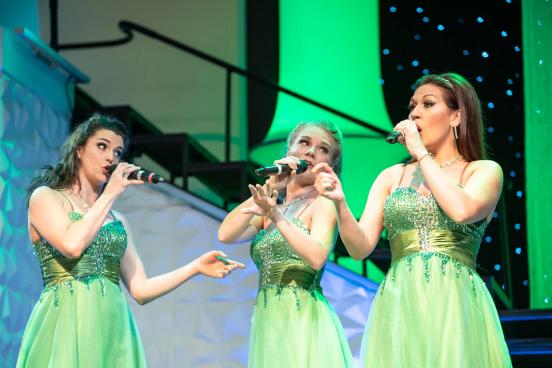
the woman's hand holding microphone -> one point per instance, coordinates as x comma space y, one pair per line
411, 139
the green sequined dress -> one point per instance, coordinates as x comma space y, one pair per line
432, 309
82, 318
293, 325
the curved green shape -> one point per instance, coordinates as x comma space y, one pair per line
537, 57
329, 52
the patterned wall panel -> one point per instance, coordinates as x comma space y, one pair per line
31, 133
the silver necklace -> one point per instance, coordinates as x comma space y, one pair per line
451, 162
83, 202
305, 195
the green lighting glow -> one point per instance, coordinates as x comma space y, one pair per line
537, 56
329, 52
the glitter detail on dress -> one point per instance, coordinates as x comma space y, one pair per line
280, 267
426, 258
99, 262
407, 209
420, 231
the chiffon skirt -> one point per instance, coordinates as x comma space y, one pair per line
296, 328
431, 312
81, 324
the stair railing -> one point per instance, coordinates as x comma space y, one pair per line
128, 28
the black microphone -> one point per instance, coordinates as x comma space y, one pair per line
141, 174
393, 137
278, 169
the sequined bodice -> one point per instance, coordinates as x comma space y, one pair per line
101, 258
416, 223
279, 265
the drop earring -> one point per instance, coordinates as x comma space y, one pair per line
455, 132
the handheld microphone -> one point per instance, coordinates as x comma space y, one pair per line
393, 137
141, 174
278, 169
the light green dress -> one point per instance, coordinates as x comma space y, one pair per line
293, 325
82, 318
432, 309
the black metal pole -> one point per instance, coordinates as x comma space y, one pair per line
505, 246
227, 117
54, 25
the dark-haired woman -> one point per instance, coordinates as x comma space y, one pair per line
84, 248
432, 309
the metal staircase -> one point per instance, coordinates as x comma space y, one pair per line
180, 154
529, 336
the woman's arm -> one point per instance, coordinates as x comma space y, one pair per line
315, 246
360, 238
243, 223
239, 226
476, 200
144, 289
50, 219
479, 196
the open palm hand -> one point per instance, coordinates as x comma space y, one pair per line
264, 198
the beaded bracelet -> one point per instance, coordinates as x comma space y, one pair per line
424, 156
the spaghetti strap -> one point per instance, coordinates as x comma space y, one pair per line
402, 175
68, 200
462, 174
304, 208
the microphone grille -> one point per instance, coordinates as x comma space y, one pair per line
302, 166
260, 171
393, 137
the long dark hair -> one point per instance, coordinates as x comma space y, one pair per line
65, 172
460, 94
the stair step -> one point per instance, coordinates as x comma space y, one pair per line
228, 179
526, 323
529, 353
178, 153
182, 156
172, 151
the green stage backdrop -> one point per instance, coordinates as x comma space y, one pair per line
329, 51
537, 68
